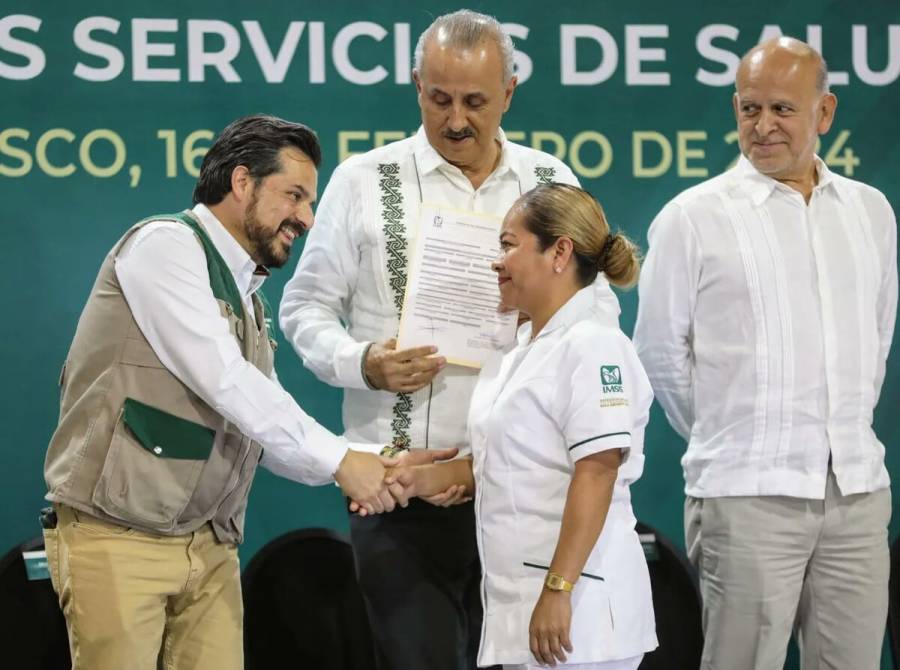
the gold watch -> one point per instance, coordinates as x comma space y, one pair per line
555, 582
399, 445
392, 451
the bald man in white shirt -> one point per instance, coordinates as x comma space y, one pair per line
767, 307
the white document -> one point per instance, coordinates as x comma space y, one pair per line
452, 294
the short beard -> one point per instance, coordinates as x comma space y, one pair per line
267, 249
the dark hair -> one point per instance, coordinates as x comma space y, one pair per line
551, 211
254, 142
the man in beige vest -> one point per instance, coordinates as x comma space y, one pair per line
169, 400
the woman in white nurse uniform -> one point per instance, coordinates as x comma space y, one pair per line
557, 427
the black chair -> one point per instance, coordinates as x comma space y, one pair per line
303, 607
676, 602
33, 626
893, 622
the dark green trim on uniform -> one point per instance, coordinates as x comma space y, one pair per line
547, 567
221, 281
598, 437
166, 435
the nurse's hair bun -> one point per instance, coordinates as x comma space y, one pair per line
551, 211
620, 260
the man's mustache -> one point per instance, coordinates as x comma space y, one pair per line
298, 228
459, 134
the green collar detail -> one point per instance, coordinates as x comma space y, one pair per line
220, 278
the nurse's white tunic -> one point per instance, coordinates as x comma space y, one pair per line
577, 389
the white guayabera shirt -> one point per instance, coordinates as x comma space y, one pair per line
349, 283
764, 324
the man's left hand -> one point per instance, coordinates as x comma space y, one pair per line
455, 495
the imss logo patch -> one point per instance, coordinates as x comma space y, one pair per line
611, 376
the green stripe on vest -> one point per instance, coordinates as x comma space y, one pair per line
221, 281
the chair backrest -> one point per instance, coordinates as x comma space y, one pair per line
303, 606
676, 602
893, 623
33, 626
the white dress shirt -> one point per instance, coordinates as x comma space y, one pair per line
576, 389
340, 298
764, 324
164, 277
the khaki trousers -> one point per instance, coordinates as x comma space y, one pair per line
137, 601
771, 564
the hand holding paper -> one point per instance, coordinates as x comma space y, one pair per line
390, 369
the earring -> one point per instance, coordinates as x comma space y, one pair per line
557, 269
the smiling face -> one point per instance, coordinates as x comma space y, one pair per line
780, 111
524, 271
463, 97
279, 209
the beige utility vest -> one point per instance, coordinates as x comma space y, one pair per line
134, 445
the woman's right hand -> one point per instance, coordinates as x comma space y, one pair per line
403, 481
407, 482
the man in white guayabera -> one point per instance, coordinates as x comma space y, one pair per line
767, 307
418, 567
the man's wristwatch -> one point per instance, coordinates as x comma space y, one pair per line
555, 582
392, 451
398, 447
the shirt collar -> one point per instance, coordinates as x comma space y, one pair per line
247, 274
571, 312
826, 178
760, 187
428, 159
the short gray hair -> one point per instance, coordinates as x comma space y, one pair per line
465, 29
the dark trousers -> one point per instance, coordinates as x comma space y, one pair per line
420, 576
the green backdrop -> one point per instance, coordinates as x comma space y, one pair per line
105, 108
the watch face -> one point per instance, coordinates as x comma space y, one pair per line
556, 582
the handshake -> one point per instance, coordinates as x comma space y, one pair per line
377, 484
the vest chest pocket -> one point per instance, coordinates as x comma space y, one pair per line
153, 465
